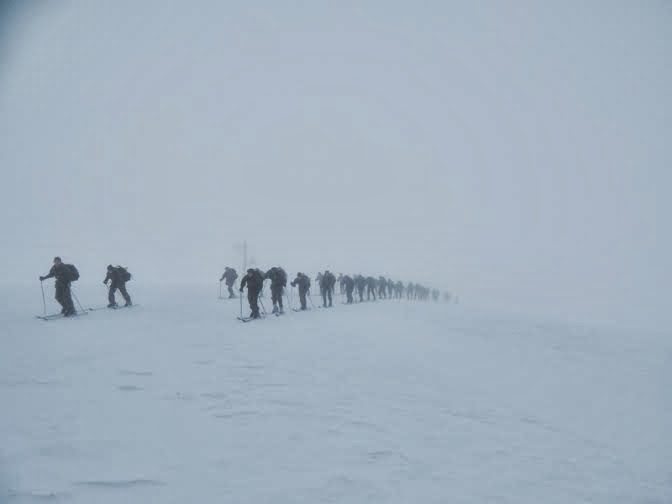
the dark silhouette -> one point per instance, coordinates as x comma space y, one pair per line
118, 277
229, 276
65, 274
349, 285
254, 281
303, 282
278, 279
327, 284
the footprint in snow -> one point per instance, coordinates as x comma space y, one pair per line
129, 388
135, 373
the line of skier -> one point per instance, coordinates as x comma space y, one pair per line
349, 286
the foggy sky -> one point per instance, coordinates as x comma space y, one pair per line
517, 153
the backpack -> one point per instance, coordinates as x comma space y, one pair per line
71, 272
283, 276
123, 273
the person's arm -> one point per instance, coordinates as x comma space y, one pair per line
243, 282
108, 277
51, 274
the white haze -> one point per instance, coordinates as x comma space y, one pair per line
517, 153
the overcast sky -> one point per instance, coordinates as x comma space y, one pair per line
514, 152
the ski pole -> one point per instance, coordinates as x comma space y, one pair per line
75, 296
44, 302
262, 305
241, 304
220, 289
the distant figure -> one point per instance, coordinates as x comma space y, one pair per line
65, 274
446, 297
278, 279
370, 288
303, 282
382, 287
327, 288
229, 276
360, 283
435, 294
399, 290
254, 281
390, 288
341, 284
349, 286
118, 276
410, 290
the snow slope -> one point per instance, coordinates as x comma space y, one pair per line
175, 401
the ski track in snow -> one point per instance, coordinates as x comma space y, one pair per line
177, 401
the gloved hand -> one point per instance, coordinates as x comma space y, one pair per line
41, 279
104, 282
241, 290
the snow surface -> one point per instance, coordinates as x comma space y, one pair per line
176, 401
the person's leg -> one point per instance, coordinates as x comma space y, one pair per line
110, 296
59, 295
124, 293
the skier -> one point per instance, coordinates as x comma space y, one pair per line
349, 286
304, 285
327, 288
399, 289
370, 288
278, 279
65, 274
118, 276
382, 287
360, 283
229, 276
254, 281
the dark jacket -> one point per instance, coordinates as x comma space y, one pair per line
328, 281
254, 281
115, 276
229, 275
302, 281
60, 272
277, 276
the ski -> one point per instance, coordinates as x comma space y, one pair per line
56, 316
248, 319
97, 308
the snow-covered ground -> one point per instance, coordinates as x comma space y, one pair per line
175, 401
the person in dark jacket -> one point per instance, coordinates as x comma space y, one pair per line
63, 277
229, 276
360, 283
349, 286
382, 287
303, 282
278, 279
371, 285
254, 281
118, 277
327, 288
